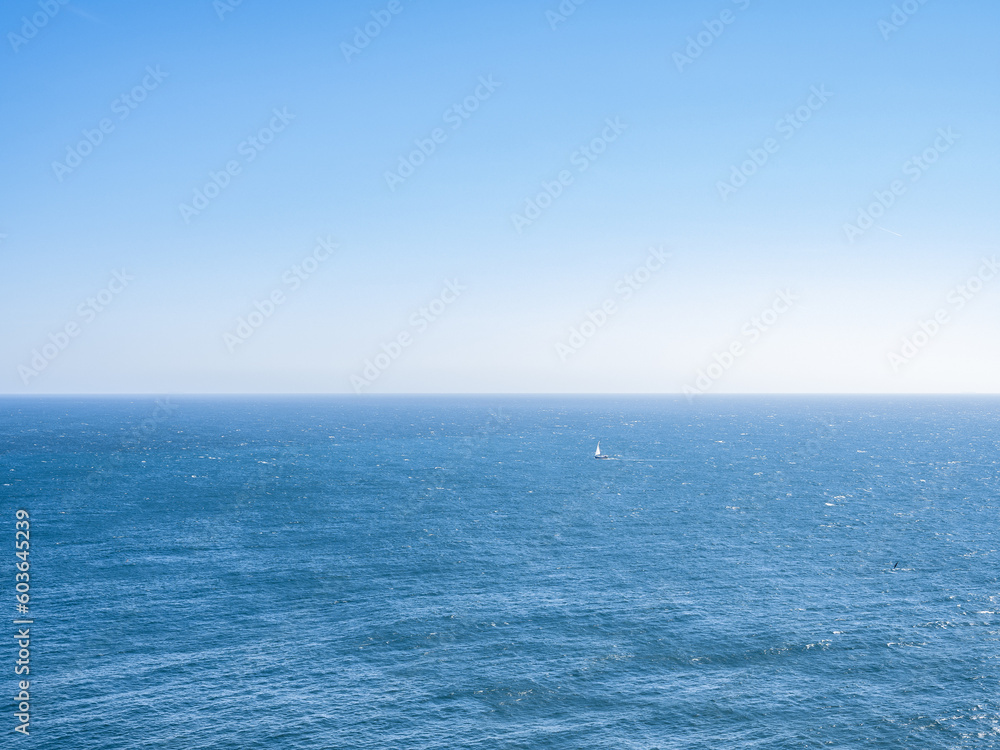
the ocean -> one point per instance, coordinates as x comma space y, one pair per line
459, 572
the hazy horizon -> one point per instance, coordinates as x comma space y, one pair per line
390, 197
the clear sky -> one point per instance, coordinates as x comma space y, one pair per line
819, 182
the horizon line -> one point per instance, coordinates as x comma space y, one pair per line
493, 394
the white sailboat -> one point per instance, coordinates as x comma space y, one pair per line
597, 453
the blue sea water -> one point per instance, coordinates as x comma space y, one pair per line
432, 572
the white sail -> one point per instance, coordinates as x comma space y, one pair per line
598, 451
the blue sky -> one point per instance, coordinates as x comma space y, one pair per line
554, 82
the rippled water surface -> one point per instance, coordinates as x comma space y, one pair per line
461, 573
